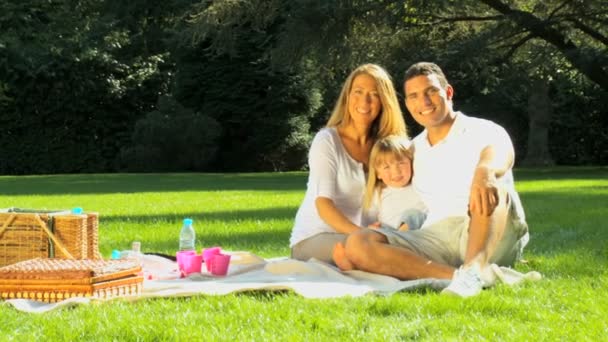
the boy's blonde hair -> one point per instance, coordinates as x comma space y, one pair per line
397, 146
390, 121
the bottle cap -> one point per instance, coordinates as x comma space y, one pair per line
115, 254
77, 210
188, 221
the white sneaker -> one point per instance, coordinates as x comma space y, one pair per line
489, 277
466, 283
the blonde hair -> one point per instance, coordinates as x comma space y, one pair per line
390, 121
397, 146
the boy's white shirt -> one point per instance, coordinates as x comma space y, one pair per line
392, 203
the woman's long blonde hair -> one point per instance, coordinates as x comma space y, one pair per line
397, 146
390, 121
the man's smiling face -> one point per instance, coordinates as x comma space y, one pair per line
427, 101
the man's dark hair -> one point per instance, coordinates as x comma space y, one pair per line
426, 69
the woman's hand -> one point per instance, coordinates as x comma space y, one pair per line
333, 217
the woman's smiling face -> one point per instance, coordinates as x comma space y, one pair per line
364, 104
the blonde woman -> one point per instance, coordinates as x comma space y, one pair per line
367, 110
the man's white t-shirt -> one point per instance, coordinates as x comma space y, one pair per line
333, 174
443, 173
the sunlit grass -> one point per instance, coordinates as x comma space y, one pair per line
567, 211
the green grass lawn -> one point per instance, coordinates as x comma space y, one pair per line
567, 210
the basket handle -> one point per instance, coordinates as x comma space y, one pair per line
7, 223
52, 236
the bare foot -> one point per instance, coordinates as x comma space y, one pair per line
340, 258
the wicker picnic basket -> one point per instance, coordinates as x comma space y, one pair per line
52, 280
27, 234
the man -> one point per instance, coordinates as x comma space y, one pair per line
462, 171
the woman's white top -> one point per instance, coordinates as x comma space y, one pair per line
334, 174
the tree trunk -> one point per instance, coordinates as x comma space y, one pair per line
540, 112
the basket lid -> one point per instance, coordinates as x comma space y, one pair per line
56, 269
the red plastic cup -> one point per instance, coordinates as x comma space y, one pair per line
180, 256
208, 254
193, 263
219, 264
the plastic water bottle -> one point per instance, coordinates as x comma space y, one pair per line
136, 254
187, 236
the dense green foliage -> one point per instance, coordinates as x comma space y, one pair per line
264, 112
254, 212
82, 82
172, 138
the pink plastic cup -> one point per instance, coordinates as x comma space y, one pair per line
219, 264
180, 256
193, 263
208, 254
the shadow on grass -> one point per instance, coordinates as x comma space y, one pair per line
266, 295
205, 216
166, 182
562, 173
140, 183
260, 242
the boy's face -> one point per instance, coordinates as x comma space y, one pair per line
394, 172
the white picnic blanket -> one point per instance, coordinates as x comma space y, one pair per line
248, 272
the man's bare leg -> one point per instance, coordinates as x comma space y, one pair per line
369, 251
485, 232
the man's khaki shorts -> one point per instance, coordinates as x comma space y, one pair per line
446, 241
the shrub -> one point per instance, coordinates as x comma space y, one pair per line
172, 138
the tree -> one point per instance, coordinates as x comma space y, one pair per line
543, 40
71, 86
562, 26
81, 80
479, 45
172, 138
227, 74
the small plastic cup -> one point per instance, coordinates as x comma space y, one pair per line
208, 254
219, 264
180, 256
192, 263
